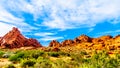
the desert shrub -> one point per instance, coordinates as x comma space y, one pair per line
37, 54
7, 54
27, 62
100, 60
112, 63
77, 57
83, 53
64, 53
43, 63
10, 66
54, 54
1, 53
16, 57
65, 64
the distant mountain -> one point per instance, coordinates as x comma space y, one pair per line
14, 39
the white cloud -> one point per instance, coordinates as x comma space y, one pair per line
49, 38
79, 13
64, 14
58, 14
7, 18
107, 33
90, 29
4, 28
43, 34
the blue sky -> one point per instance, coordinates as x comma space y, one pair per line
48, 20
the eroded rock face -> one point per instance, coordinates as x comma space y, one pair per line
32, 42
82, 38
67, 43
107, 37
0, 37
101, 39
14, 39
54, 43
117, 39
118, 36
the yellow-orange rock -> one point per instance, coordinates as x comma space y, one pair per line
82, 38
54, 43
107, 37
67, 43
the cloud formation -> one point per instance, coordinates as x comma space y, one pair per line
58, 14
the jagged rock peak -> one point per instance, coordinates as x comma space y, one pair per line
106, 37
67, 43
14, 39
14, 29
54, 43
82, 38
117, 36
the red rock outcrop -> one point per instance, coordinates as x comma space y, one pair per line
54, 43
101, 39
107, 37
0, 38
67, 43
117, 39
82, 38
14, 39
32, 42
84, 42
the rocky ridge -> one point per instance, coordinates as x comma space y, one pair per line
85, 42
14, 39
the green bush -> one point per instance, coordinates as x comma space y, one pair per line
54, 54
27, 62
1, 53
37, 54
16, 57
43, 62
10, 66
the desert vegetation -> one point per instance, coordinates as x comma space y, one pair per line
61, 59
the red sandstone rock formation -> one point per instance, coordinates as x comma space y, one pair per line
32, 42
82, 38
14, 39
107, 37
85, 42
54, 43
67, 43
0, 38
101, 39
